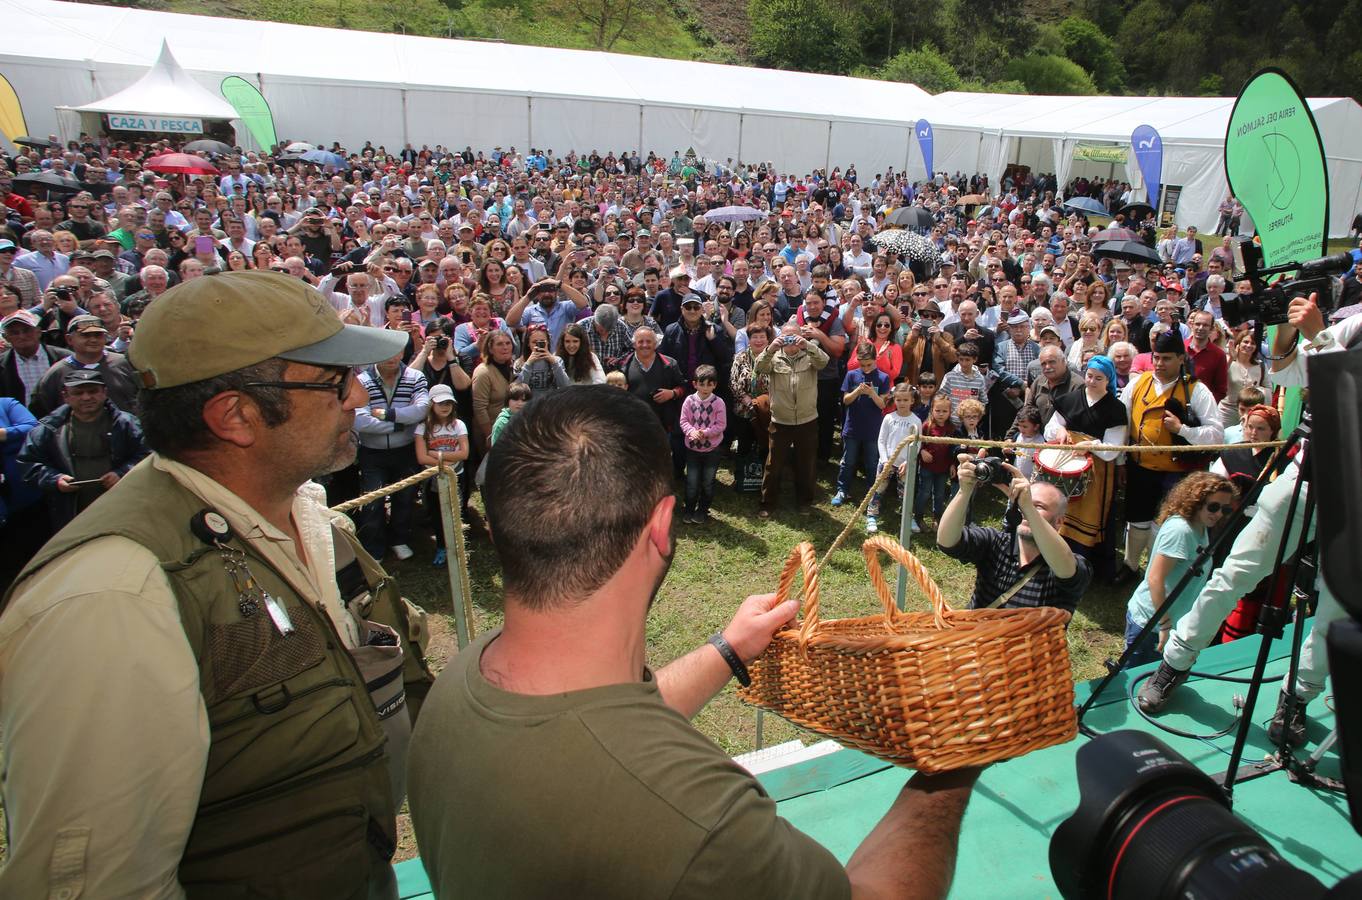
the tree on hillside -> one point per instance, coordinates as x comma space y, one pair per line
1047, 74
1087, 45
609, 19
926, 68
804, 35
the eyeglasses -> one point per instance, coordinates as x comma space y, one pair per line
919, 293
341, 387
1215, 508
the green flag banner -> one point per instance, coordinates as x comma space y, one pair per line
254, 110
1274, 161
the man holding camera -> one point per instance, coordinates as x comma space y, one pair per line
88, 339
1250, 559
562, 696
1035, 566
541, 306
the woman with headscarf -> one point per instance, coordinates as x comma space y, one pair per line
1094, 415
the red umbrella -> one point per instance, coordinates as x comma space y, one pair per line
180, 164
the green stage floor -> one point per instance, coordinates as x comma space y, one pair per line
1004, 845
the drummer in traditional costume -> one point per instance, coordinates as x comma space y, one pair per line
1093, 415
1168, 407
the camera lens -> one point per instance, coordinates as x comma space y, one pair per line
1150, 825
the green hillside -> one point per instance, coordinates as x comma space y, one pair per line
1139, 47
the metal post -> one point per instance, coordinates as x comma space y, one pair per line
906, 515
456, 563
761, 713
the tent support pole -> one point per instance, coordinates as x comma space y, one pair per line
827, 158
406, 131
529, 122
741, 117
640, 130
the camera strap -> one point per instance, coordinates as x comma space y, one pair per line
1027, 574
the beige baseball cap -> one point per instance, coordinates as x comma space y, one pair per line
220, 323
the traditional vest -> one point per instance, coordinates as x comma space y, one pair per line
1146, 425
296, 799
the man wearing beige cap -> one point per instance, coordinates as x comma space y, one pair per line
88, 338
183, 668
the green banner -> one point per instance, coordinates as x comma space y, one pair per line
1274, 161
254, 110
1104, 153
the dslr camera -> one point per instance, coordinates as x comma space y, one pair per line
1267, 304
990, 470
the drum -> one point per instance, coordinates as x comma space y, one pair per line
1068, 470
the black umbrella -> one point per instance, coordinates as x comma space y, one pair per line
1131, 251
49, 180
217, 148
38, 143
910, 217
1136, 211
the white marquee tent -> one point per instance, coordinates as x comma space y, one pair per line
327, 84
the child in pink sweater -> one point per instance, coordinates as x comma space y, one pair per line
703, 420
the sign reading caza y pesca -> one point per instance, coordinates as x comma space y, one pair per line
169, 124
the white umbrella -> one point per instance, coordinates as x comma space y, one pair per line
299, 147
734, 214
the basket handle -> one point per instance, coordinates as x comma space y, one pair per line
871, 549
802, 557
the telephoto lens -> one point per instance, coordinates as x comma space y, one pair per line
1151, 825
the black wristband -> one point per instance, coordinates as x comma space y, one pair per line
731, 657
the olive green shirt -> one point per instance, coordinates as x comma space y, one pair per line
599, 793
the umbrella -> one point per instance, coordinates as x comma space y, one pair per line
910, 217
217, 148
289, 158
1131, 251
1136, 211
39, 143
908, 244
973, 199
326, 159
299, 147
1115, 234
734, 214
180, 164
1086, 205
50, 180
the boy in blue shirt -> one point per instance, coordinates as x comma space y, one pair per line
864, 394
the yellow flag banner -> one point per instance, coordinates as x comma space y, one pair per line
11, 112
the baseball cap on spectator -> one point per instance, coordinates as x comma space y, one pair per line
83, 324
691, 300
464, 226
1175, 286
680, 272
427, 262
442, 393
208, 326
7, 246
102, 254
1053, 330
1018, 318
19, 317
77, 377
643, 232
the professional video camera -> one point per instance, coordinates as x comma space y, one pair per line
1268, 303
1151, 825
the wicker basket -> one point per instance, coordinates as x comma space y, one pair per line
930, 691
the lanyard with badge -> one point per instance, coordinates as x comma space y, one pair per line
209, 526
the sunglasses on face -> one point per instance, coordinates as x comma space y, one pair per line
1215, 508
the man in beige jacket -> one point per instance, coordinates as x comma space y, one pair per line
793, 364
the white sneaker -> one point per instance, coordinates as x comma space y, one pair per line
402, 552
872, 525
917, 529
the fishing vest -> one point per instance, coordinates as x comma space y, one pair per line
1146, 420
297, 800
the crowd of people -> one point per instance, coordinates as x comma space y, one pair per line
506, 269
757, 315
